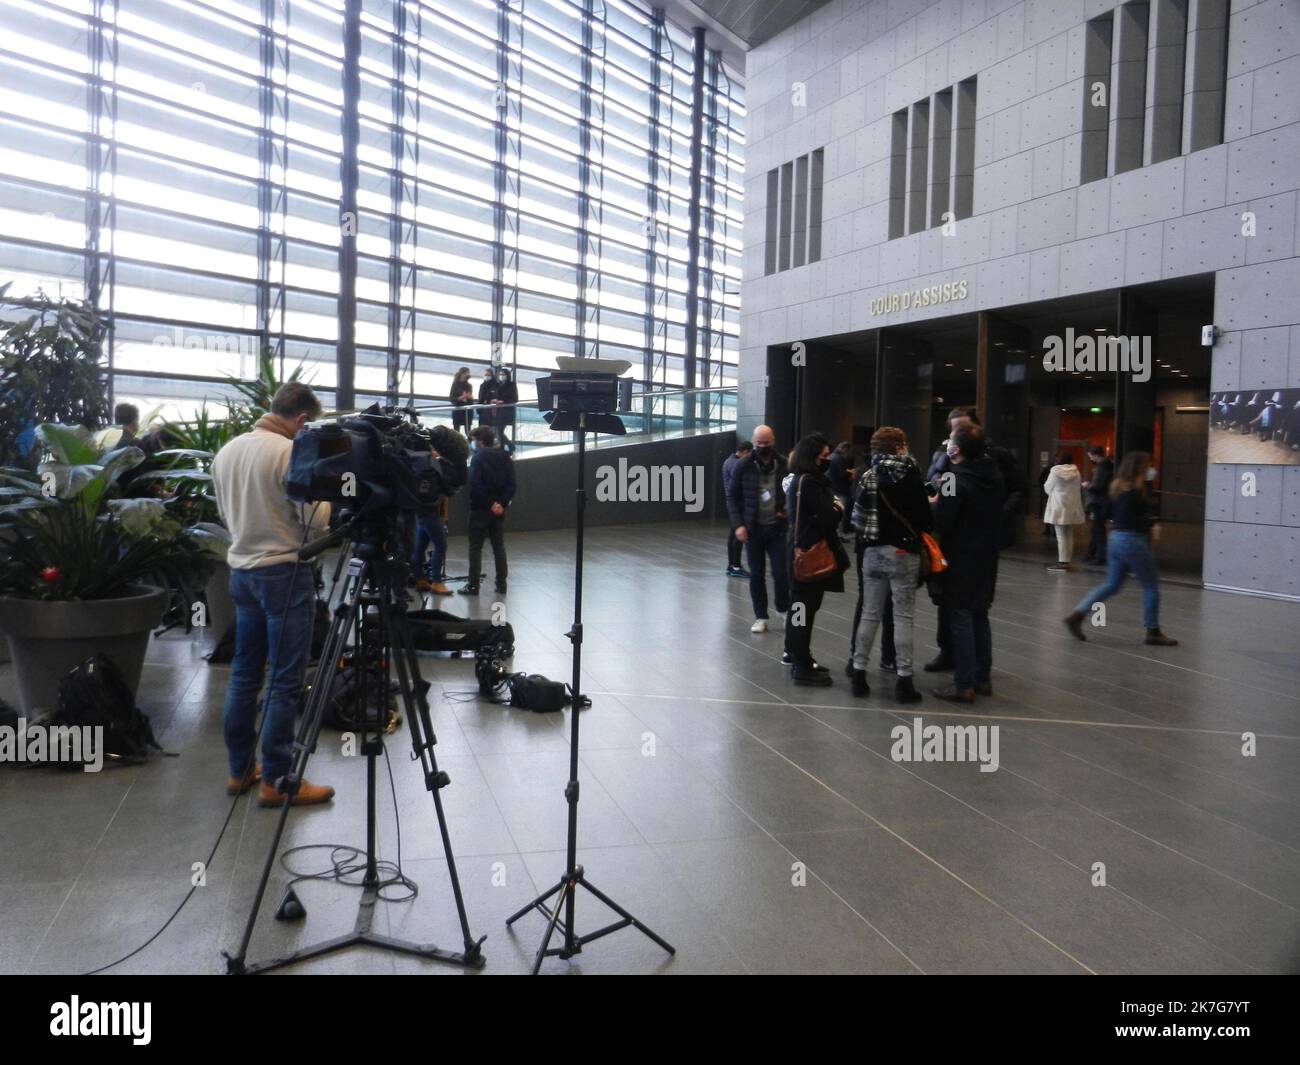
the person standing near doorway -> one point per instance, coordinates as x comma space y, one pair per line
968, 520
756, 506
1064, 507
1098, 505
734, 547
840, 475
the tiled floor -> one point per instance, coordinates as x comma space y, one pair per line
758, 826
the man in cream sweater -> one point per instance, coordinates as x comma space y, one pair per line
273, 594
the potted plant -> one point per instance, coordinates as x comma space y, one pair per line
85, 572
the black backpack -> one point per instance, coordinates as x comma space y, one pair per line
95, 694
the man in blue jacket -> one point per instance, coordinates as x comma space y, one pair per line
491, 487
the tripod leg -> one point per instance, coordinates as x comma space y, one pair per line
304, 743
627, 916
416, 704
566, 890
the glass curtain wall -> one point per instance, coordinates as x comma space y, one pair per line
523, 184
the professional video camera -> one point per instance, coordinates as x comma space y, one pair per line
378, 460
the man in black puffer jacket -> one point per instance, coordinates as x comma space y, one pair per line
968, 519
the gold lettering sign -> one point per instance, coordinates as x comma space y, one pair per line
926, 296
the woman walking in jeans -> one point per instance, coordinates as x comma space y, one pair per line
1128, 550
891, 512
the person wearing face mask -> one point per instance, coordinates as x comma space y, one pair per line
968, 521
487, 395
891, 513
817, 515
506, 398
1133, 529
756, 507
1015, 490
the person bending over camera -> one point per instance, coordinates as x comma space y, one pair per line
491, 487
273, 594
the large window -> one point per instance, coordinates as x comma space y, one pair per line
523, 177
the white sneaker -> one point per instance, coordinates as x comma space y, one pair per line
760, 625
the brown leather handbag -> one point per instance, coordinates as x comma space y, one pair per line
818, 562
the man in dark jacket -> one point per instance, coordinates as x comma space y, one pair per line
491, 487
734, 546
968, 519
840, 475
1016, 487
487, 394
1098, 498
756, 504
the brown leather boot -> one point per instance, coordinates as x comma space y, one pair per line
235, 786
309, 794
439, 588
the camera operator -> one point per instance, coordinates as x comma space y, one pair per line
491, 487
272, 591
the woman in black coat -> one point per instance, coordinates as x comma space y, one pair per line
815, 515
461, 395
507, 396
487, 394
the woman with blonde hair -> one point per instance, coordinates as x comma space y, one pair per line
1133, 527
1064, 488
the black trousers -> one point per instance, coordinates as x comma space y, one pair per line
887, 653
943, 636
766, 544
1096, 535
805, 601
734, 549
483, 523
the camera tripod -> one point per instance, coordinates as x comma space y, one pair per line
372, 609
574, 875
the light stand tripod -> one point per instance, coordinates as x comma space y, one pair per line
574, 875
372, 607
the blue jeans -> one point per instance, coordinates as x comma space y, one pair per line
888, 576
273, 618
431, 529
972, 647
1128, 552
767, 542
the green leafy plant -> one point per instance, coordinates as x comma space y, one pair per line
259, 391
51, 370
67, 537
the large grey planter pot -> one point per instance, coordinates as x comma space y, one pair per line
47, 639
221, 608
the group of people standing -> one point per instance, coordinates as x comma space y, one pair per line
943, 530
495, 403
